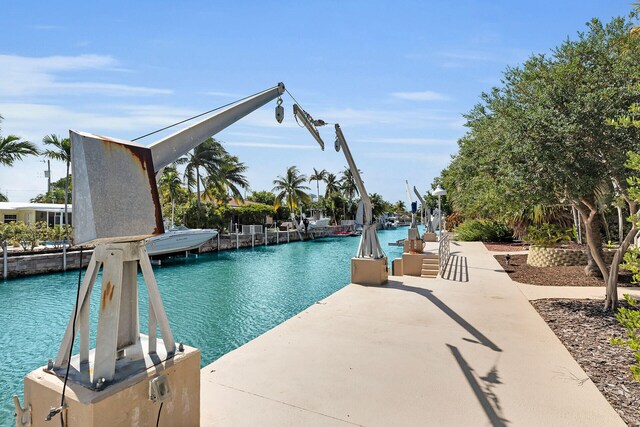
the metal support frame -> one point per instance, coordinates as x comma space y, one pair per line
118, 319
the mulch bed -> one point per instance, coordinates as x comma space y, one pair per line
585, 329
506, 247
520, 271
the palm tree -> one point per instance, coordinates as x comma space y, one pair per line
12, 148
3, 197
228, 177
399, 207
290, 187
348, 185
318, 176
332, 190
206, 157
61, 151
171, 184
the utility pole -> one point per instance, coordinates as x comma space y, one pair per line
47, 175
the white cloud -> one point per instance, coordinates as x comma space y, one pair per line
23, 76
427, 95
33, 121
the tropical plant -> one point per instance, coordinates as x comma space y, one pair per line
202, 160
170, 186
3, 197
629, 318
264, 197
60, 150
399, 206
318, 176
332, 193
290, 188
13, 148
227, 177
348, 185
484, 230
548, 235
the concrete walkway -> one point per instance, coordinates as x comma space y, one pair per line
415, 352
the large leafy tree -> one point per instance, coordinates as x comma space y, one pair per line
13, 148
291, 189
542, 138
60, 149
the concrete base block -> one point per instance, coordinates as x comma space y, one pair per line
124, 403
369, 271
412, 263
413, 246
430, 237
396, 267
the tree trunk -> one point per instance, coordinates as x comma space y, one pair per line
611, 299
594, 242
620, 225
605, 224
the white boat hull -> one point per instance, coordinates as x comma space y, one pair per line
179, 241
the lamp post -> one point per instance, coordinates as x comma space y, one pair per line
439, 192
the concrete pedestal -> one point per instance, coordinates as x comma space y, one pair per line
396, 265
430, 237
415, 245
369, 271
123, 402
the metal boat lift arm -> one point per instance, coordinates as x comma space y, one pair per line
369, 243
171, 148
127, 174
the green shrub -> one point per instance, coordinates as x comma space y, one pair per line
548, 235
629, 318
483, 230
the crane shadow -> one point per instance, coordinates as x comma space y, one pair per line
484, 391
427, 293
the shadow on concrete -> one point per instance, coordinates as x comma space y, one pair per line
457, 269
427, 293
485, 395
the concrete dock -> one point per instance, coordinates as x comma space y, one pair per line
468, 350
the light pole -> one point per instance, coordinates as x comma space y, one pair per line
439, 192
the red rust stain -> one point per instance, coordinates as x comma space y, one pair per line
108, 293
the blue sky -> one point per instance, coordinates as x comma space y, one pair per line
396, 75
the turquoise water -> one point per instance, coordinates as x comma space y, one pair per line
215, 302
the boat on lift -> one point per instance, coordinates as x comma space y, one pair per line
179, 239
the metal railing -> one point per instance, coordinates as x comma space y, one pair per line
444, 249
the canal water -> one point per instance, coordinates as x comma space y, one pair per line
215, 302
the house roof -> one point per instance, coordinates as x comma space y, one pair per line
42, 207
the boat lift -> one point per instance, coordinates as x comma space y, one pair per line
117, 207
369, 244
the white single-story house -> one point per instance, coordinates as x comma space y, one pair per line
51, 213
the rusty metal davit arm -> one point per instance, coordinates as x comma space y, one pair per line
116, 206
114, 181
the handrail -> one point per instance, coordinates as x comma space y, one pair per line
444, 248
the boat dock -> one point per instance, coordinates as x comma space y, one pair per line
414, 352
